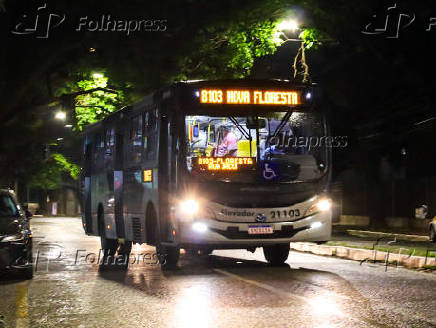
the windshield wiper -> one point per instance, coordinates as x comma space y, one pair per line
283, 122
239, 126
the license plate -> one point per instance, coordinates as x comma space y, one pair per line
260, 230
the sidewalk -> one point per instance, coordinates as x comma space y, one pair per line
411, 251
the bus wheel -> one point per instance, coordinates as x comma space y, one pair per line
168, 256
108, 246
276, 254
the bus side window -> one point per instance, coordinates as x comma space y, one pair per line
98, 150
88, 159
150, 135
109, 146
136, 139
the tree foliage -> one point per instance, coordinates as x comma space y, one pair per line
49, 176
94, 106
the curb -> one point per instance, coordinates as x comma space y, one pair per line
357, 254
398, 236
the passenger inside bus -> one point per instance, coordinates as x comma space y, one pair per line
228, 145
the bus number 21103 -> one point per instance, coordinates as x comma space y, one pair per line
285, 214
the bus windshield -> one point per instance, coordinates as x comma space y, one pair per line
281, 147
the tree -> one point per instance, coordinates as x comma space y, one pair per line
88, 108
49, 175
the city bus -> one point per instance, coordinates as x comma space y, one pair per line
207, 165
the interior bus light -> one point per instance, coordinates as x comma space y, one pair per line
148, 175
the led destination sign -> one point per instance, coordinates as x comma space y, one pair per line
249, 97
225, 163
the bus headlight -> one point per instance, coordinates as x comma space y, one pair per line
199, 227
322, 205
189, 207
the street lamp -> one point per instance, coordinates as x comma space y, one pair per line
60, 115
288, 25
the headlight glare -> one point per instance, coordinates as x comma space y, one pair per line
189, 207
199, 227
322, 205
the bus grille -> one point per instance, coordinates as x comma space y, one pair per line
136, 229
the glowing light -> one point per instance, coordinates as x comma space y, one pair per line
199, 227
97, 75
324, 306
69, 126
308, 95
193, 307
60, 139
60, 116
321, 206
288, 25
238, 97
324, 205
249, 97
148, 175
275, 98
224, 163
189, 207
211, 96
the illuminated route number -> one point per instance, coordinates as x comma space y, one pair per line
211, 96
285, 214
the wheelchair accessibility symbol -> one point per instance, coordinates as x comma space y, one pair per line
270, 171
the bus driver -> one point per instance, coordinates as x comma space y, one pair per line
228, 145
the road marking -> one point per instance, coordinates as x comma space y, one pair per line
22, 306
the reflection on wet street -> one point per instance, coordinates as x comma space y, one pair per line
232, 288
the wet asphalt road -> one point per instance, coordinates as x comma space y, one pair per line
227, 289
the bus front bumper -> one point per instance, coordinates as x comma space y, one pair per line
216, 234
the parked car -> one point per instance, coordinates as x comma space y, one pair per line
15, 236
